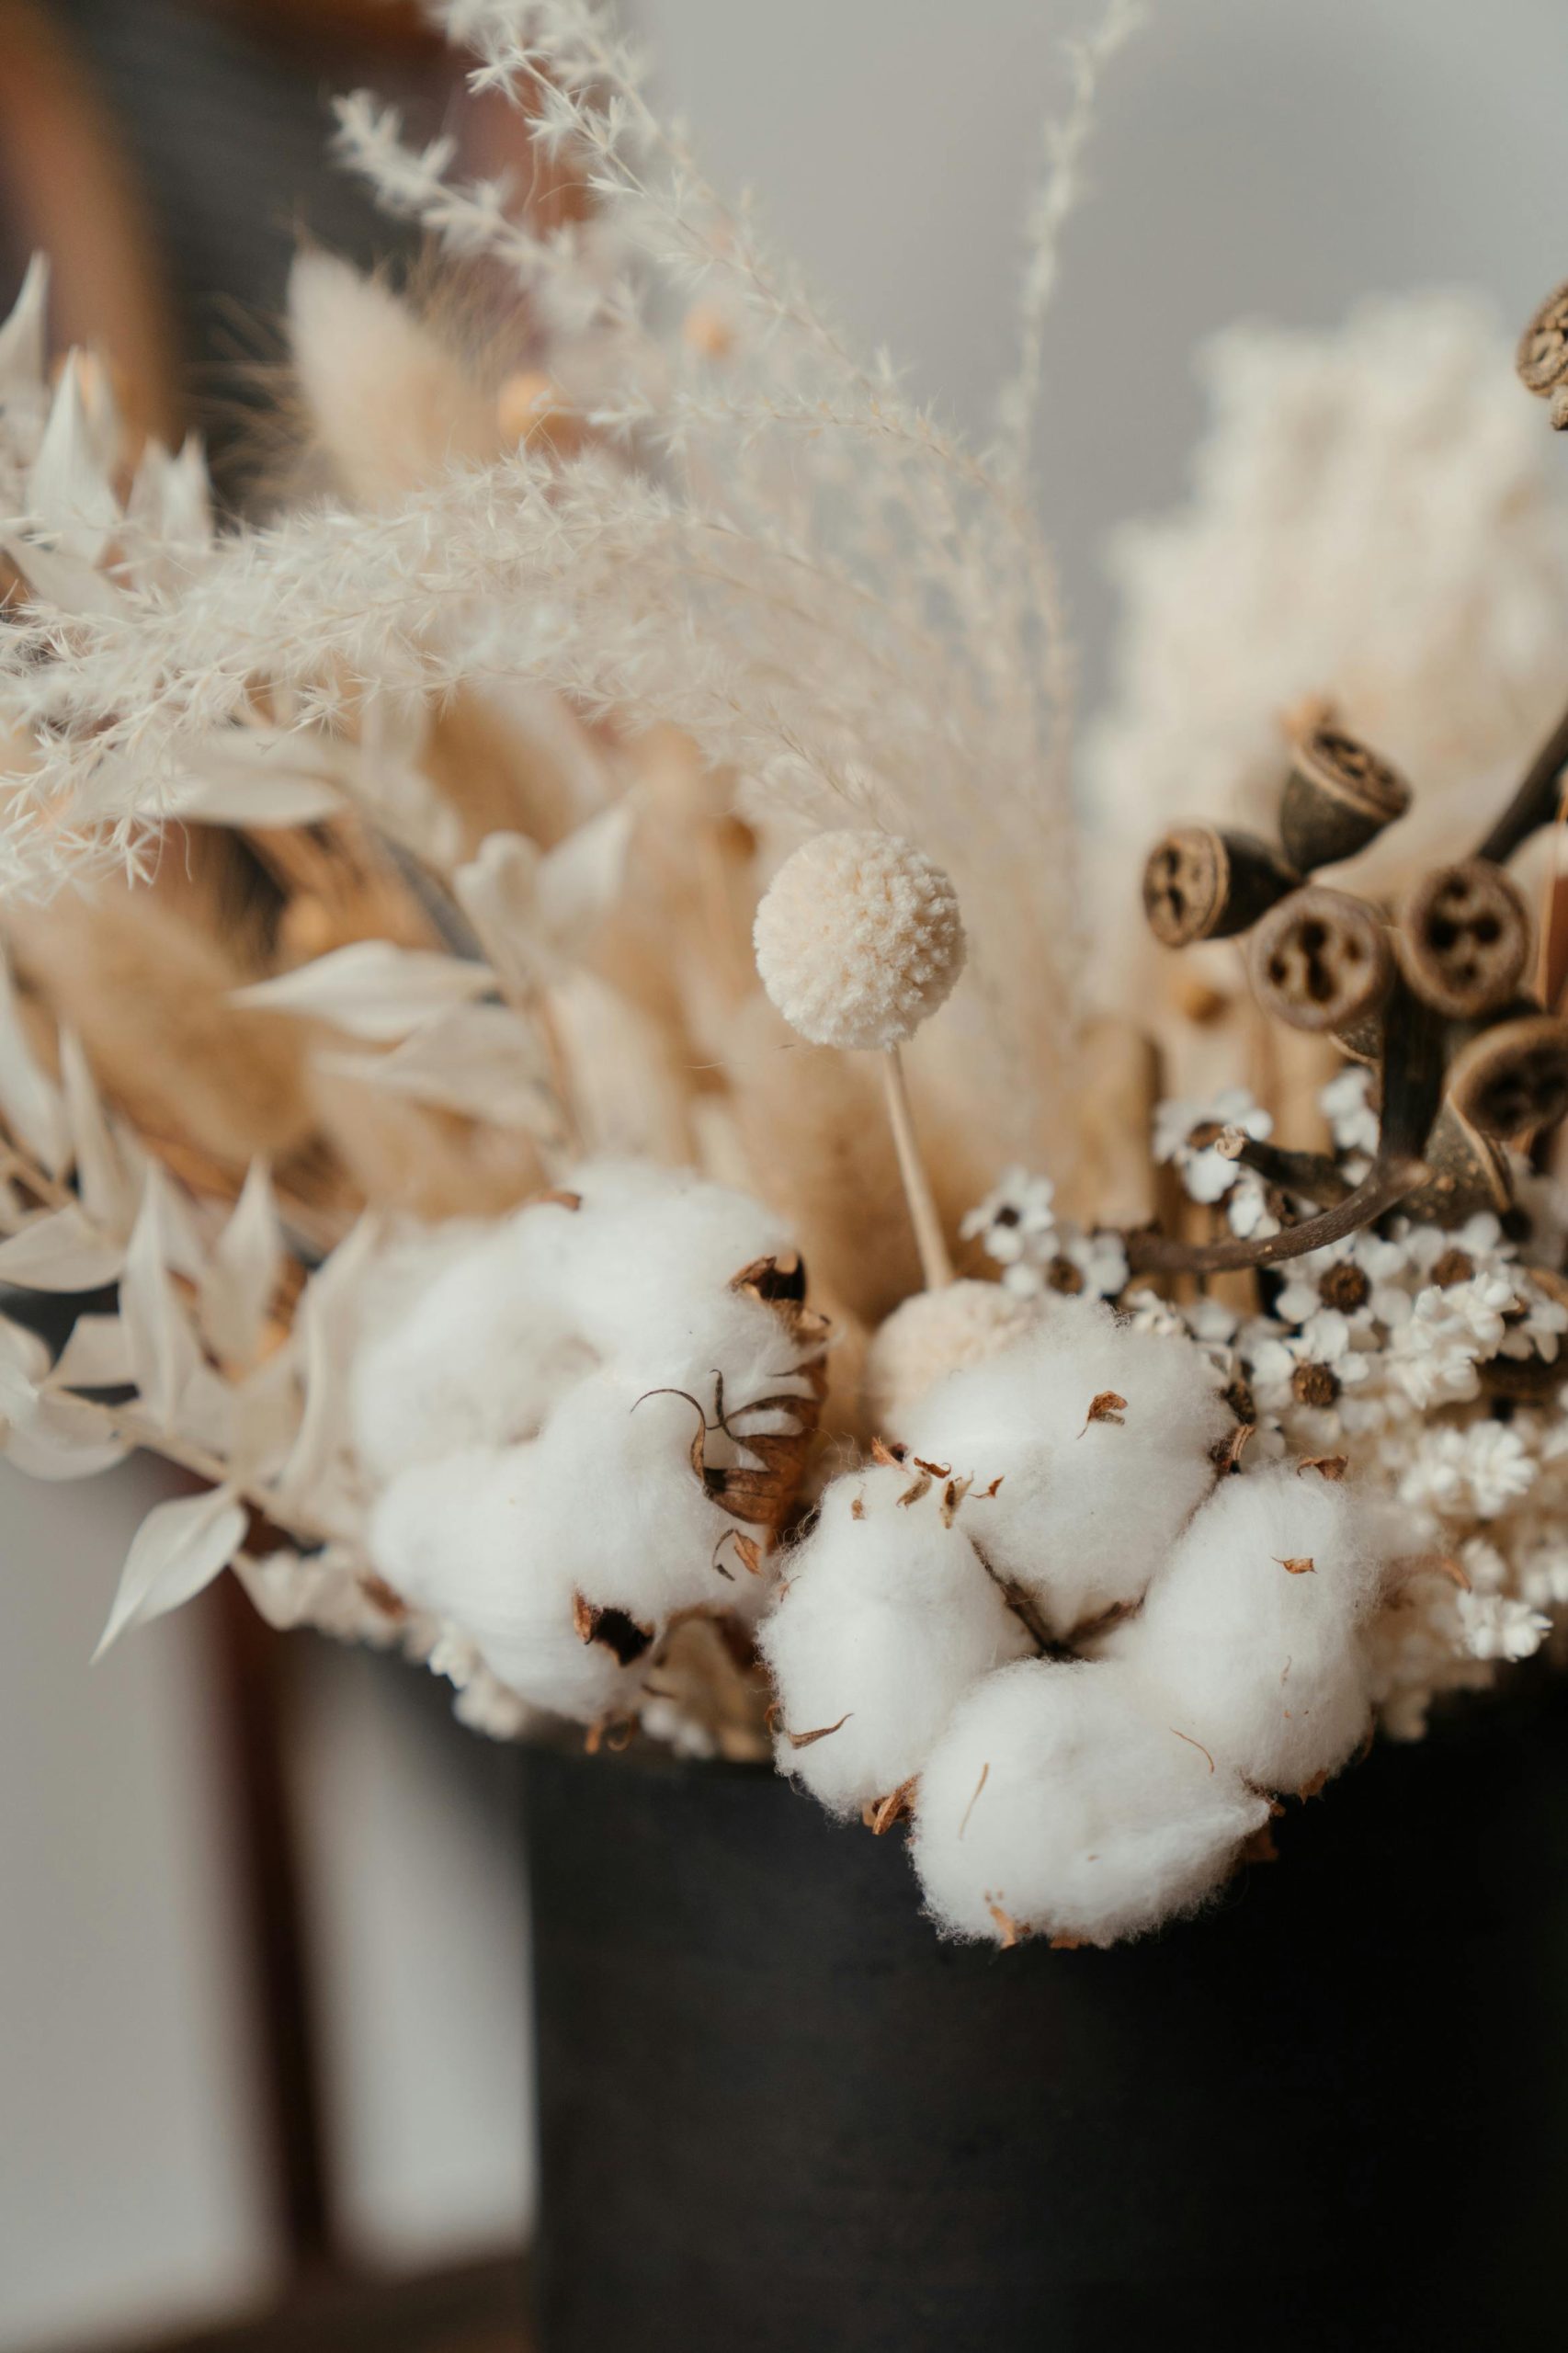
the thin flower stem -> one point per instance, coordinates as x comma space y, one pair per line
935, 1263
1535, 803
1386, 1184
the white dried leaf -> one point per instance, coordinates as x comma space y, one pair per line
480, 1060
103, 1180
169, 512
69, 492
164, 1353
179, 1548
29, 1100
23, 347
372, 989
59, 1252
240, 1278
260, 776
24, 1363
324, 1324
96, 1356
387, 773
581, 877
65, 1439
62, 580
497, 892
534, 912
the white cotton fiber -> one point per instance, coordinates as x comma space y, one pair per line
462, 1538
1060, 1801
1100, 1435
886, 1619
1261, 1655
620, 1504
475, 1353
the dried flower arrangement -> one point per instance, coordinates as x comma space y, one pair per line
450, 923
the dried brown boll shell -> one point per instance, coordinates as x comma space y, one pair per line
1200, 884
1338, 796
1542, 355
1467, 1172
1512, 1080
1321, 960
1463, 939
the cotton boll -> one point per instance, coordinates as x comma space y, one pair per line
1061, 1800
619, 1505
468, 1537
1254, 1626
461, 1350
1100, 1435
937, 1332
887, 1619
634, 1260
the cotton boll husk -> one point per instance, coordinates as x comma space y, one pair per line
933, 1333
1086, 1509
1263, 1665
468, 1538
389, 405
1061, 1802
886, 1619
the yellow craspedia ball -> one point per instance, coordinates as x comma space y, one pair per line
858, 939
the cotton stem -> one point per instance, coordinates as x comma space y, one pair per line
934, 1264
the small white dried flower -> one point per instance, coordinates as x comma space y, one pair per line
1495, 1627
858, 939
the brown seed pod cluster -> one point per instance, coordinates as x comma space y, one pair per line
1543, 357
1431, 996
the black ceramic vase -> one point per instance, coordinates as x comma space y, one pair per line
777, 2113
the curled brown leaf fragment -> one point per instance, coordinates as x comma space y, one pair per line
1012, 1933
893, 1456
808, 1739
1260, 1847
1314, 1787
750, 1552
1327, 1466
934, 1470
377, 1590
953, 1494
1300, 1565
616, 1630
557, 1200
882, 1814
858, 1507
1195, 1744
918, 1487
1226, 1453
1105, 1406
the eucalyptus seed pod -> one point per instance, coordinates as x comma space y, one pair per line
1200, 884
1512, 1080
1463, 939
1542, 356
1469, 1173
1321, 960
1338, 796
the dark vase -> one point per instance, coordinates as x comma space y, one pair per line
777, 2113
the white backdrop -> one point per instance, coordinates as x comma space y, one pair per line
1255, 156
